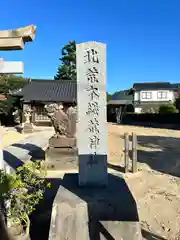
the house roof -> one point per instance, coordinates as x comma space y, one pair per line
122, 95
48, 91
152, 85
119, 102
121, 98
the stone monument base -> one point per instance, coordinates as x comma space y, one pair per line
61, 158
62, 142
28, 128
94, 213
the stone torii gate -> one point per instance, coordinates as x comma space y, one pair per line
13, 40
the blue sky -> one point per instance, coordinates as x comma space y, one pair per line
142, 36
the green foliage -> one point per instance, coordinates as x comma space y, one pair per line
177, 103
9, 82
7, 105
109, 96
6, 181
24, 189
170, 108
67, 69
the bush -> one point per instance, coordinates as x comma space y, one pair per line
8, 83
24, 189
177, 103
160, 118
170, 108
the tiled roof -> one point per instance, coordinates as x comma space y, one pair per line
152, 85
49, 91
119, 102
121, 98
122, 95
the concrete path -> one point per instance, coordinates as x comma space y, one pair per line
32, 147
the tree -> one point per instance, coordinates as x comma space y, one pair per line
9, 82
109, 96
177, 103
169, 108
67, 68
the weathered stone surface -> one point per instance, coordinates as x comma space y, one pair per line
27, 33
28, 148
61, 158
62, 142
11, 67
94, 213
11, 44
64, 122
15, 39
93, 170
72, 114
92, 126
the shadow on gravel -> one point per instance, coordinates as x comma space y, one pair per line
36, 152
151, 236
12, 160
116, 168
160, 153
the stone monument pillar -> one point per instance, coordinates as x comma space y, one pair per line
93, 205
91, 102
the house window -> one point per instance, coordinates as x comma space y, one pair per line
146, 95
162, 95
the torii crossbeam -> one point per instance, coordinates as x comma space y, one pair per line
15, 39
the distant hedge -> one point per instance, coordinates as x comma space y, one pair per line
162, 118
169, 108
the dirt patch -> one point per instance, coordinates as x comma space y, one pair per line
156, 186
157, 196
10, 136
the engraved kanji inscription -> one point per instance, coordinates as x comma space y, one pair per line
92, 75
91, 56
93, 125
94, 141
93, 108
93, 92
92, 159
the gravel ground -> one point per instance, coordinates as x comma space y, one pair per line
156, 185
10, 136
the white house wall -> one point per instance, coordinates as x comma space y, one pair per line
137, 109
170, 96
137, 96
